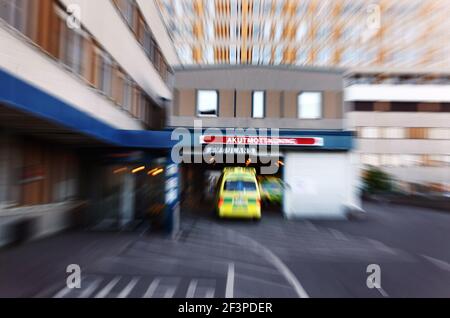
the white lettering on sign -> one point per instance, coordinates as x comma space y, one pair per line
250, 140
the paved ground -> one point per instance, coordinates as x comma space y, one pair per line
271, 258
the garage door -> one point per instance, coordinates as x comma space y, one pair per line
317, 184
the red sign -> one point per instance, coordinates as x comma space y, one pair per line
256, 141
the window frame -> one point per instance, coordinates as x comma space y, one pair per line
197, 112
321, 111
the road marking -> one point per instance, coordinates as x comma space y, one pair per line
271, 258
127, 290
83, 293
338, 235
191, 289
152, 288
63, 292
144, 231
229, 290
382, 292
210, 293
91, 288
170, 292
107, 289
439, 263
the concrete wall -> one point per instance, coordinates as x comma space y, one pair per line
30, 223
281, 85
24, 60
417, 174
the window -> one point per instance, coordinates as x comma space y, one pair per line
73, 50
370, 132
245, 186
370, 160
417, 133
258, 107
14, 12
105, 75
394, 133
310, 105
207, 103
127, 94
439, 133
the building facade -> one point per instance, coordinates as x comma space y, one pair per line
402, 121
342, 33
303, 107
76, 76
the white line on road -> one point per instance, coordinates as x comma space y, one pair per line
439, 263
127, 290
91, 288
170, 292
338, 235
229, 290
191, 289
382, 292
210, 293
107, 289
151, 290
271, 258
63, 292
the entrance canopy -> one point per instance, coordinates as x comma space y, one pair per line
20, 96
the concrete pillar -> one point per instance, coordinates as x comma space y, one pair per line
9, 162
127, 199
4, 167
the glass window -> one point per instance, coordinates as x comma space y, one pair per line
207, 103
370, 160
73, 50
240, 186
106, 75
370, 132
258, 107
310, 105
394, 133
127, 94
439, 133
14, 13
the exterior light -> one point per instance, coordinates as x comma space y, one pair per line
157, 172
139, 169
120, 170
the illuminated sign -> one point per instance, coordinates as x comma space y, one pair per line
257, 141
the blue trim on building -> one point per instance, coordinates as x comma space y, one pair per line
20, 95
23, 96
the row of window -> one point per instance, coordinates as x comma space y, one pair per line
400, 107
309, 104
403, 160
133, 16
79, 52
403, 133
398, 79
